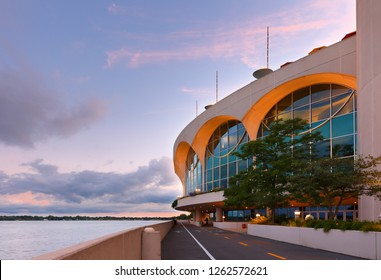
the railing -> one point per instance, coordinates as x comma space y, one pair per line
134, 244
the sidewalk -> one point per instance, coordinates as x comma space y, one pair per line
189, 242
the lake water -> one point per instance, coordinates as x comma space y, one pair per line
22, 240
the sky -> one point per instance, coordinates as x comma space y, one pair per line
94, 93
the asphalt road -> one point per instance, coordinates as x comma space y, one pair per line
188, 242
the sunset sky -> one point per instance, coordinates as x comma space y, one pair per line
94, 93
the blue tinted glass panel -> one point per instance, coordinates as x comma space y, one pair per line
321, 216
209, 162
224, 160
267, 122
232, 157
285, 116
216, 184
284, 105
233, 128
224, 142
209, 175
325, 130
232, 140
348, 108
342, 125
271, 113
223, 152
216, 161
242, 165
232, 169
216, 173
337, 90
339, 101
349, 216
322, 149
301, 97
343, 146
224, 171
224, 183
321, 110
241, 132
302, 113
319, 92
216, 150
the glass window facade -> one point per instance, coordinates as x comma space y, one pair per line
329, 109
193, 173
220, 162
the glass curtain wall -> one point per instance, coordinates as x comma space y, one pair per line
328, 108
193, 173
220, 162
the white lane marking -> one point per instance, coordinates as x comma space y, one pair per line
199, 244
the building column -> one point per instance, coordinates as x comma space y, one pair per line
219, 214
198, 216
368, 46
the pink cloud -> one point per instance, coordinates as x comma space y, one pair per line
197, 91
27, 198
244, 41
138, 58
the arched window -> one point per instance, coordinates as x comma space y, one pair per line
220, 161
193, 173
328, 108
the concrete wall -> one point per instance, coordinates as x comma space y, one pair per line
232, 226
125, 245
369, 84
200, 199
355, 243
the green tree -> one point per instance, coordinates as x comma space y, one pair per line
330, 181
265, 184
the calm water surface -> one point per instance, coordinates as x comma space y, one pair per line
22, 240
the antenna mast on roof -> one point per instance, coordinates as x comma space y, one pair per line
267, 65
216, 86
264, 71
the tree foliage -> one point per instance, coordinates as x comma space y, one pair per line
285, 167
330, 181
265, 184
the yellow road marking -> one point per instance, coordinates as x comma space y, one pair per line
244, 244
277, 256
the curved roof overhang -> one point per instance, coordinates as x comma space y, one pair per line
199, 144
180, 159
258, 111
253, 117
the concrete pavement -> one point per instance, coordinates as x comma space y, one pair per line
188, 242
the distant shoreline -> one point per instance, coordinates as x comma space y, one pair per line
78, 218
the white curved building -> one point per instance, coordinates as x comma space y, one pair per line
334, 88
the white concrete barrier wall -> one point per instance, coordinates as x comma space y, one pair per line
355, 243
125, 245
234, 226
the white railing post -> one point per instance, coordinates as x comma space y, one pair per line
151, 244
